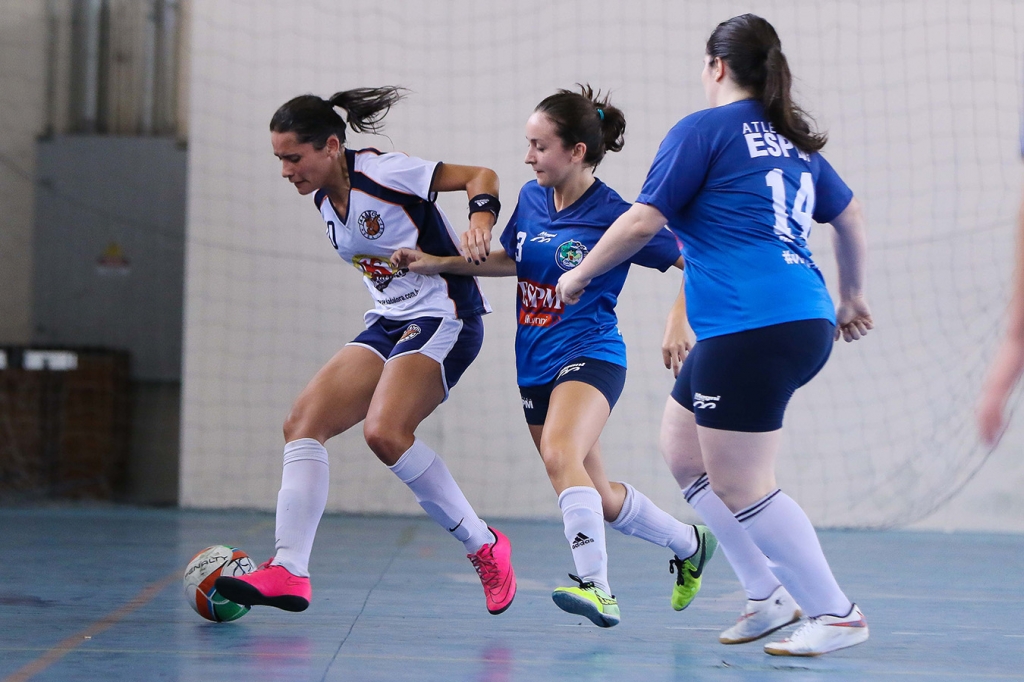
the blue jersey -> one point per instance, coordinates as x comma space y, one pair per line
742, 199
546, 243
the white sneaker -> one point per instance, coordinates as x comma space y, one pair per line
823, 634
762, 617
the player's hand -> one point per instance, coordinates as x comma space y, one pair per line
415, 261
676, 345
570, 287
853, 319
476, 244
989, 414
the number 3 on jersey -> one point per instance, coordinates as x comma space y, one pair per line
803, 206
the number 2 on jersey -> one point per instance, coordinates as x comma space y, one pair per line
803, 205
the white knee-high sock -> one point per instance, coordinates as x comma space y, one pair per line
747, 561
643, 519
428, 478
300, 503
584, 529
781, 529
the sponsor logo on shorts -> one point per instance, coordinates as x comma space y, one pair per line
573, 367
538, 305
371, 225
705, 402
527, 403
570, 254
411, 332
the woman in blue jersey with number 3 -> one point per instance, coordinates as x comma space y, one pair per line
740, 184
571, 363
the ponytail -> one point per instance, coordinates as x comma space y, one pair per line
365, 108
753, 51
586, 117
314, 119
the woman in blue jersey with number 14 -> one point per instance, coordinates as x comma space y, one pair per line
740, 184
571, 363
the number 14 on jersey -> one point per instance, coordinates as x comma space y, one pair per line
802, 210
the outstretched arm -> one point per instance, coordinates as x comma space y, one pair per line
626, 236
1008, 364
498, 265
475, 180
679, 337
853, 316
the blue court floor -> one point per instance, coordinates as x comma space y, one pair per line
95, 594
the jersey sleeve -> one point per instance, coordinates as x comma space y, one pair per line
406, 174
678, 170
832, 196
508, 235
661, 252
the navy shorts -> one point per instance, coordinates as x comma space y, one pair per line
454, 344
743, 381
606, 377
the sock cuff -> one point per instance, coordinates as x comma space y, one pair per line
629, 510
697, 489
747, 514
305, 448
580, 497
413, 462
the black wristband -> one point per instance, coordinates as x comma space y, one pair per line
485, 202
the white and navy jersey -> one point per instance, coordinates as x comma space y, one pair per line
390, 206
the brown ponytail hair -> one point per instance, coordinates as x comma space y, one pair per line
314, 119
753, 51
586, 117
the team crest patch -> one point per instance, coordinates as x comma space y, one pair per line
377, 270
411, 332
570, 254
371, 225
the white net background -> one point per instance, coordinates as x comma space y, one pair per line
921, 102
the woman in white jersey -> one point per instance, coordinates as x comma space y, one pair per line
421, 334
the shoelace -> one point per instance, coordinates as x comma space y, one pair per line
802, 630
675, 565
587, 585
487, 568
265, 564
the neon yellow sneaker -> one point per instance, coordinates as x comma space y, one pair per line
588, 600
689, 571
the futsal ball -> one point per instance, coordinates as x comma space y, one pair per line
201, 573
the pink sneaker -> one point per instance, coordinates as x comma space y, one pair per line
267, 586
493, 563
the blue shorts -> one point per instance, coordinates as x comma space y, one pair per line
606, 377
454, 344
743, 381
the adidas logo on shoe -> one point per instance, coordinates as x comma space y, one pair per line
581, 540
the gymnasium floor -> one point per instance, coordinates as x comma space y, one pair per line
95, 594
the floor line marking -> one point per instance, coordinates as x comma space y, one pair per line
69, 644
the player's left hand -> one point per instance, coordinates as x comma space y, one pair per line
676, 345
570, 287
476, 244
853, 319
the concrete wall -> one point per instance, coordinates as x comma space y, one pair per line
22, 96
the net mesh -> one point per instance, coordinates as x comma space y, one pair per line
921, 103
